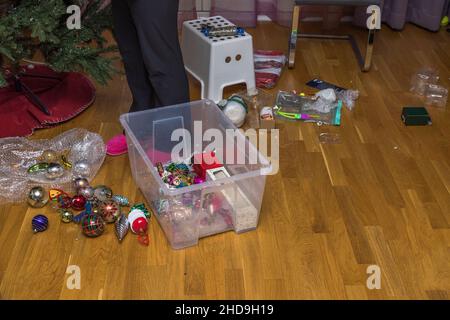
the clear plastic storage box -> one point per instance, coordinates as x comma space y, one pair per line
230, 201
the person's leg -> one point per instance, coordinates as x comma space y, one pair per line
137, 76
156, 25
127, 39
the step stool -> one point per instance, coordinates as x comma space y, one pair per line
217, 62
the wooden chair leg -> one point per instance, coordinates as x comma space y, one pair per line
369, 51
293, 36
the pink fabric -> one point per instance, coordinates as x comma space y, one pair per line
117, 145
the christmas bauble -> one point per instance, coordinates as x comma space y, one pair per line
54, 171
143, 208
39, 223
96, 210
79, 217
78, 202
110, 211
92, 225
87, 192
235, 109
103, 193
65, 215
55, 193
64, 201
80, 183
144, 239
198, 180
139, 225
135, 215
37, 197
81, 168
49, 156
121, 227
121, 200
65, 162
38, 167
88, 207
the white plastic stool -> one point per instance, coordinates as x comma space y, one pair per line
217, 62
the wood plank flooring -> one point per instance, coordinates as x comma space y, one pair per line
380, 197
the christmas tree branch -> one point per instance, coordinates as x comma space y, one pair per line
41, 25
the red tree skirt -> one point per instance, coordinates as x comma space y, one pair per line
64, 97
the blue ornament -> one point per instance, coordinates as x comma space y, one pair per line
39, 223
87, 210
79, 217
88, 207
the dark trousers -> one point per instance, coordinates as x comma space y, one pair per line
147, 35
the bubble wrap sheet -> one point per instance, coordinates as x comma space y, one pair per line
18, 154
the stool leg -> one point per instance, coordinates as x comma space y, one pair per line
203, 92
369, 51
293, 36
213, 91
251, 86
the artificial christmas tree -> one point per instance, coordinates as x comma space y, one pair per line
38, 95
28, 26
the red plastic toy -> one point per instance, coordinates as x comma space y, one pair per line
205, 161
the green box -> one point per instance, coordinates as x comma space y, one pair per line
415, 116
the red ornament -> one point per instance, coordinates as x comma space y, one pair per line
144, 239
78, 202
140, 225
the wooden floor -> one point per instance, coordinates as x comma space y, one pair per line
381, 197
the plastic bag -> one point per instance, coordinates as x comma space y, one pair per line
17, 155
422, 79
349, 97
268, 67
291, 106
329, 138
324, 101
255, 104
436, 95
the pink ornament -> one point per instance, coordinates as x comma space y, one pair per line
198, 180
